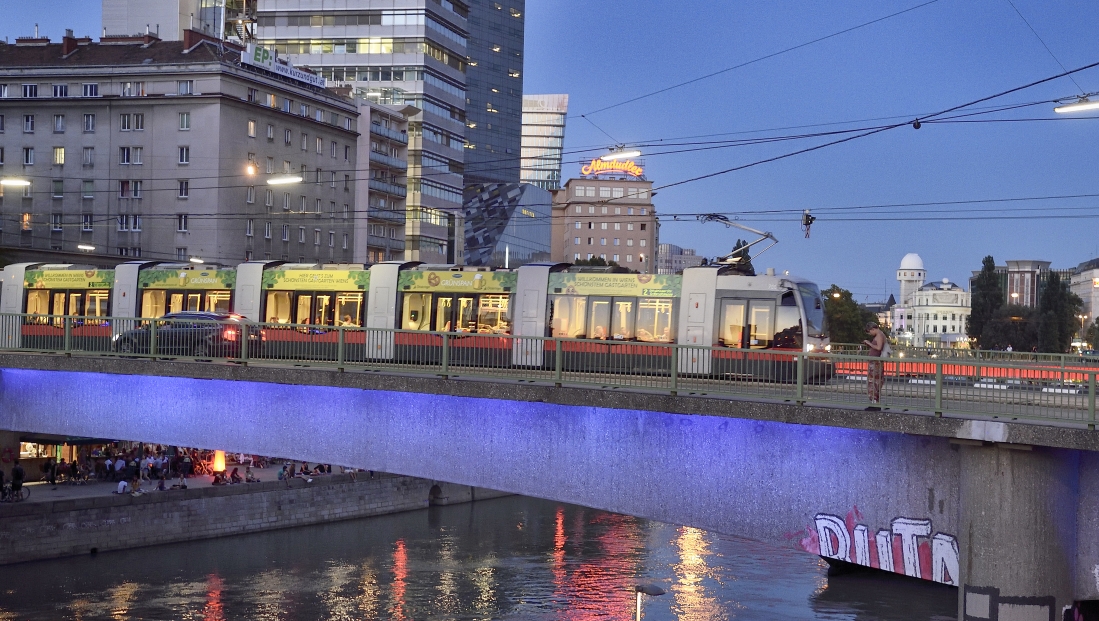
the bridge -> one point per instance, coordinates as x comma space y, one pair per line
983, 474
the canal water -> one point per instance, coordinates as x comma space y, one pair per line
510, 558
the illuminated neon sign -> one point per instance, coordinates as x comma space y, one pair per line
599, 167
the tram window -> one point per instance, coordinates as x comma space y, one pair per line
623, 318
443, 321
788, 299
787, 325
761, 315
416, 313
217, 301
323, 315
732, 323
467, 316
568, 315
347, 308
305, 304
38, 302
278, 307
96, 305
58, 303
492, 315
152, 303
175, 303
76, 306
599, 317
656, 319
194, 301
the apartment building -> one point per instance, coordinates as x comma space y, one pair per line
173, 150
610, 218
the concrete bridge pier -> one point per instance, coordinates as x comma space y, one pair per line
1017, 531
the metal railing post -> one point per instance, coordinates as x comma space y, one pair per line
446, 355
799, 396
939, 388
340, 345
675, 368
1091, 400
557, 362
152, 337
68, 345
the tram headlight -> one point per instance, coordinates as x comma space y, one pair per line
828, 348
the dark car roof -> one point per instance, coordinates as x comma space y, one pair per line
199, 315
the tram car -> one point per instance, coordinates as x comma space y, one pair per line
607, 320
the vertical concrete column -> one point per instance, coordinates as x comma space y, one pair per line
1017, 529
9, 451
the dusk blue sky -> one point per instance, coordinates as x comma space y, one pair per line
936, 57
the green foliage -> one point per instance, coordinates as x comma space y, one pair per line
987, 298
1012, 325
846, 319
1091, 333
744, 266
1059, 307
600, 262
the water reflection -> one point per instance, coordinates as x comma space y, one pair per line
512, 558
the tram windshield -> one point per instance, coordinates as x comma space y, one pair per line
814, 308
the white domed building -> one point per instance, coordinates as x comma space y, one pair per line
930, 314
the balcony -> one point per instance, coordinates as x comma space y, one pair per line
387, 215
385, 160
394, 190
392, 134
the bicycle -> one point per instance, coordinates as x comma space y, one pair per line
6, 495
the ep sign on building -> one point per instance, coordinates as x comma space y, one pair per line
259, 56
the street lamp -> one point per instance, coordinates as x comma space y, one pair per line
85, 247
284, 180
1082, 318
1081, 105
1014, 297
648, 589
14, 181
196, 260
836, 295
621, 153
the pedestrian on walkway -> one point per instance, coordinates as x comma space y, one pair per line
875, 371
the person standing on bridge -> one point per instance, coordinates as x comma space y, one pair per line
875, 372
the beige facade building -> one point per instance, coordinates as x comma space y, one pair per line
165, 149
613, 219
381, 187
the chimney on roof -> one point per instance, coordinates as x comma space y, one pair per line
36, 31
68, 43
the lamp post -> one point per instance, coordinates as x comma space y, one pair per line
1014, 297
1082, 318
648, 589
620, 152
14, 181
1080, 105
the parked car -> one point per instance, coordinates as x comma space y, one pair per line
200, 335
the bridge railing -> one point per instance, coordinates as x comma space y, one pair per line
1050, 391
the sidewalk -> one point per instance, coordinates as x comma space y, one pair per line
43, 492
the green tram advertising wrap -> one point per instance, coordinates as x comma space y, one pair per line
617, 285
457, 282
317, 280
68, 279
187, 279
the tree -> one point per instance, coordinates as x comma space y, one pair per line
1012, 325
846, 319
987, 298
744, 266
1059, 307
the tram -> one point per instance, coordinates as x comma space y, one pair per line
608, 320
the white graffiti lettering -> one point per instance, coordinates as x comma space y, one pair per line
944, 559
908, 530
829, 527
862, 545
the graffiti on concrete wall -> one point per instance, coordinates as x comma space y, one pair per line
908, 546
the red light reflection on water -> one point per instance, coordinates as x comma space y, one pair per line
213, 610
600, 587
400, 574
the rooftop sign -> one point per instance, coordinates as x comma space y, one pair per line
259, 56
599, 167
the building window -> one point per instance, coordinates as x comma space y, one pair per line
616, 193
124, 154
59, 156
133, 89
123, 222
616, 240
602, 241
139, 122
86, 222
642, 226
89, 123
124, 122
181, 254
286, 232
629, 226
267, 230
603, 226
629, 258
345, 241
286, 201
28, 157
614, 258
629, 242
642, 242
181, 223
251, 129
25, 222
286, 167
185, 87
331, 239
1, 123
28, 123
30, 90
301, 204
576, 241
91, 90
270, 132
59, 123
253, 95
136, 153
320, 146
316, 237
347, 153
185, 155
604, 192
346, 211
618, 226
301, 234
184, 121
332, 150
269, 198
250, 195
58, 188
248, 224
317, 206
270, 165
272, 100
577, 209
304, 141
286, 137
136, 189
87, 188
184, 189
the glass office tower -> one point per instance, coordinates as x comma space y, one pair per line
543, 139
494, 91
412, 52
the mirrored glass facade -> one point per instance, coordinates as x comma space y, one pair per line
543, 139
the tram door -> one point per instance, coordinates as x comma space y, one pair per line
747, 324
